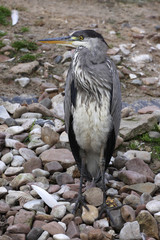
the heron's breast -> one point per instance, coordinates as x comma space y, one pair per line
91, 123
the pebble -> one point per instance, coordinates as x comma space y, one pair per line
27, 154
128, 213
60, 237
64, 178
40, 173
44, 236
17, 161
154, 134
59, 211
49, 135
14, 130
3, 191
7, 158
3, 114
34, 234
153, 206
148, 224
4, 207
53, 228
23, 82
57, 105
11, 171
89, 216
130, 231
132, 200
22, 68
94, 196
131, 177
72, 230
35, 205
146, 156
21, 179
143, 58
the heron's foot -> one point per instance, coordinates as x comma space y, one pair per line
80, 202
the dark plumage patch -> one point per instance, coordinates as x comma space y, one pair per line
73, 94
88, 34
109, 147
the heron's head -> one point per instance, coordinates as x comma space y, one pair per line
85, 38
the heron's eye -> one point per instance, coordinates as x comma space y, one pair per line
81, 38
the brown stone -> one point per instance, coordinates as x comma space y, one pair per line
70, 195
94, 196
38, 224
72, 230
19, 111
95, 234
24, 217
148, 109
131, 177
53, 228
17, 236
53, 188
39, 108
52, 167
67, 218
49, 135
64, 156
31, 164
18, 228
128, 213
4, 207
64, 178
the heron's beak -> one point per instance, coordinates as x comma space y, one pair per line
66, 41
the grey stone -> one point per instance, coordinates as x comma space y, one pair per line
60, 237
58, 211
13, 196
136, 125
10, 122
3, 114
23, 81
27, 153
157, 180
40, 173
17, 161
154, 134
25, 67
145, 198
58, 105
11, 171
130, 231
7, 158
144, 155
21, 179
143, 58
34, 234
44, 236
36, 204
31, 115
14, 130
132, 200
153, 206
46, 102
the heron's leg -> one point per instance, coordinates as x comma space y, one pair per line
80, 200
104, 207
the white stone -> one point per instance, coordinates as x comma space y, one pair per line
44, 236
10, 171
35, 204
2, 167
157, 180
13, 196
26, 123
22, 81
58, 124
146, 156
143, 58
14, 130
124, 49
27, 153
7, 158
130, 231
64, 137
153, 206
58, 211
58, 105
10, 142
3, 191
10, 107
157, 217
17, 161
63, 225
3, 114
40, 172
31, 115
132, 76
39, 150
138, 30
158, 46
102, 223
35, 142
60, 236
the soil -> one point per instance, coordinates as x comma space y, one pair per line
51, 18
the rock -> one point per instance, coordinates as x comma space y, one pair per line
21, 137
19, 111
72, 230
40, 173
46, 102
137, 30
132, 76
64, 156
11, 171
136, 82
64, 137
58, 106
52, 167
31, 115
157, 217
3, 191
27, 68
67, 218
148, 224
60, 237
34, 234
124, 49
58, 211
157, 180
70, 195
7, 158
148, 187
89, 216
44, 236
49, 135
53, 228
102, 223
139, 166
128, 214
132, 200
145, 198
35, 205
130, 231
144, 155
94, 196
136, 125
120, 161
27, 154
14, 130
17, 161
23, 82
148, 109
4, 207
143, 58
31, 164
2, 167
18, 228
64, 178
153, 206
13, 196
11, 143
41, 149
131, 177
116, 59
3, 114
117, 221
2, 140
24, 217
21, 179
154, 134
39, 108
10, 107
149, 80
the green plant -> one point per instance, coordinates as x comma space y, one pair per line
134, 145
24, 29
4, 13
27, 58
2, 33
24, 44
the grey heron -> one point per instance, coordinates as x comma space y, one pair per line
92, 106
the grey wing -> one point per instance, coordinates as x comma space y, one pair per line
116, 103
67, 101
